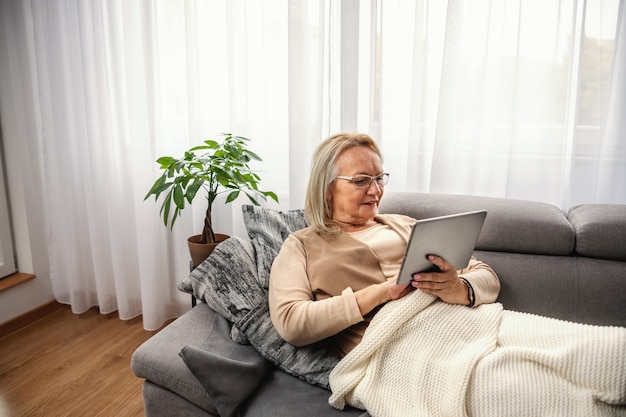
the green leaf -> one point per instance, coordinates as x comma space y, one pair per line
234, 150
183, 181
270, 194
165, 161
195, 165
252, 200
253, 155
174, 217
159, 185
180, 165
179, 196
232, 196
157, 191
165, 207
238, 176
193, 189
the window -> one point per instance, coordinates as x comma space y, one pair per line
7, 258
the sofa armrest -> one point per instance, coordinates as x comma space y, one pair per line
158, 358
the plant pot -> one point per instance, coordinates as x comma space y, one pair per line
200, 251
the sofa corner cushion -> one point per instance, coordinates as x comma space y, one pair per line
230, 372
600, 230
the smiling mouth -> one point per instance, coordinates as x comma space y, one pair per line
371, 203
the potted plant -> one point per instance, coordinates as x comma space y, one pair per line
215, 167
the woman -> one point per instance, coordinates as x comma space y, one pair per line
330, 278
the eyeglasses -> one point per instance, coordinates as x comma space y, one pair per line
364, 181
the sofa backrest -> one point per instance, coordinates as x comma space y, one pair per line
570, 267
516, 226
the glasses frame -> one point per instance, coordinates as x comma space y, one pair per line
384, 177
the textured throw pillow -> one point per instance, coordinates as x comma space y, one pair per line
227, 281
312, 363
268, 229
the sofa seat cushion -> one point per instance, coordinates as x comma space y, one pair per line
282, 395
600, 230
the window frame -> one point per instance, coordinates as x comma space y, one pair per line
8, 264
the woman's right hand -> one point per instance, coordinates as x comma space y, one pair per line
397, 291
371, 297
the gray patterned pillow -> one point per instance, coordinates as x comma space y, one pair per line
268, 229
227, 281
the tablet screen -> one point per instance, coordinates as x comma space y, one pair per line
452, 238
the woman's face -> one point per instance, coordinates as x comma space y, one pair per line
352, 205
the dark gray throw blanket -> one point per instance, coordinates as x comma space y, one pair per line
228, 281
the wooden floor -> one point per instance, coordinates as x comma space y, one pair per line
71, 365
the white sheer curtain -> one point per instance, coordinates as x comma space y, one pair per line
516, 99
504, 99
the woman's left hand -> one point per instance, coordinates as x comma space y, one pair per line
445, 284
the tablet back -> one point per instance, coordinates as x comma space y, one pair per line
451, 237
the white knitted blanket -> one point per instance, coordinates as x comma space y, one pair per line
423, 357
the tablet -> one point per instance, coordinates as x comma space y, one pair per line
451, 237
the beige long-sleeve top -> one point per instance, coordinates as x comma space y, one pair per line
314, 277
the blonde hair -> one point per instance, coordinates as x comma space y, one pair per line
317, 210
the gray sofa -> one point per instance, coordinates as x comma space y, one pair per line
570, 266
